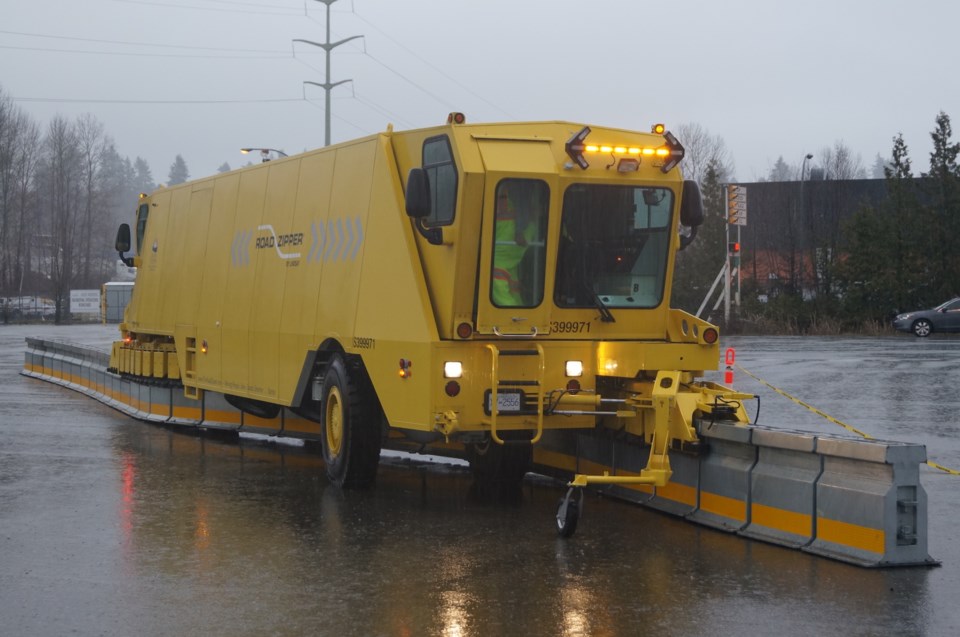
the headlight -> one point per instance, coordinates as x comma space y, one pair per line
574, 368
452, 369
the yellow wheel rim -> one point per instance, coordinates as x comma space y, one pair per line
334, 421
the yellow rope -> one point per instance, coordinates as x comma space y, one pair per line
832, 419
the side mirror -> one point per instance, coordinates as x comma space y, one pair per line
418, 194
123, 244
123, 239
691, 206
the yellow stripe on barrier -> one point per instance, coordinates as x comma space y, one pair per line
781, 519
853, 535
832, 419
723, 506
678, 493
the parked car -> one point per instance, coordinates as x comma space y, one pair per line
943, 318
26, 308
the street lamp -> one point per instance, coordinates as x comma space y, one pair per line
803, 211
803, 171
803, 167
264, 153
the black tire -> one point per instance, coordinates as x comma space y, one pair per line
922, 327
567, 517
351, 428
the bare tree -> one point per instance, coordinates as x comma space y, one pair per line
92, 143
7, 143
27, 158
840, 163
18, 145
60, 193
703, 150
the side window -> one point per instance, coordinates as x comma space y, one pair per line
442, 173
142, 213
521, 210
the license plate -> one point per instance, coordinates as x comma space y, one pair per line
510, 401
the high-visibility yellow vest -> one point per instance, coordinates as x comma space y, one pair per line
510, 245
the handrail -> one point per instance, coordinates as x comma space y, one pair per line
533, 333
494, 391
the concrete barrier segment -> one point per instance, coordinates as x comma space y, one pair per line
725, 469
783, 487
871, 508
219, 414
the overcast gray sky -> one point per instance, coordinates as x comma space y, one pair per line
203, 78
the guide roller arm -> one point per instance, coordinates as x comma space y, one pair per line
657, 472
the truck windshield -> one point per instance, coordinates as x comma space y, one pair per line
614, 242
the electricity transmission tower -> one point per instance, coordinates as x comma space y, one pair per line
327, 85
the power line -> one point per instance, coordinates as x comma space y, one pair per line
68, 100
236, 53
277, 56
362, 130
139, 43
234, 3
292, 10
382, 111
412, 83
435, 68
372, 105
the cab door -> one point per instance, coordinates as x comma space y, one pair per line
513, 299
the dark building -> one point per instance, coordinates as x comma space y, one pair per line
794, 230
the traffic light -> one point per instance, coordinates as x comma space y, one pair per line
733, 253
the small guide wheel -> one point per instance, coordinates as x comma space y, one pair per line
568, 512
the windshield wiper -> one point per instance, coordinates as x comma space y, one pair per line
605, 315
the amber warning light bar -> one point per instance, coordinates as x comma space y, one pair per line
671, 151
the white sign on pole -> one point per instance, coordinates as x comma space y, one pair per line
84, 301
737, 205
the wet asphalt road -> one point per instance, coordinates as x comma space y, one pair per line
109, 526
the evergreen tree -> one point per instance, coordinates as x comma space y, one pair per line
878, 170
781, 171
864, 277
178, 172
224, 168
120, 196
142, 177
882, 272
942, 186
902, 218
698, 264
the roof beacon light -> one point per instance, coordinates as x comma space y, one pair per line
456, 118
671, 151
658, 129
575, 147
